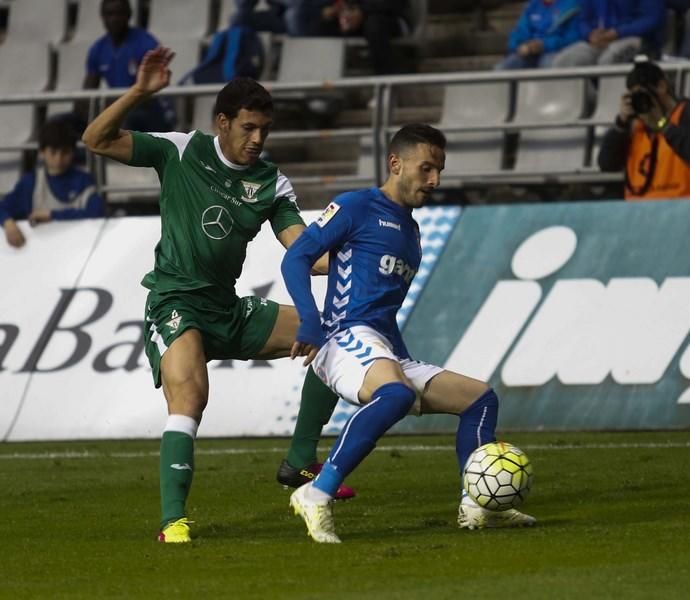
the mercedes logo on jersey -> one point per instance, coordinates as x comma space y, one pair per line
216, 222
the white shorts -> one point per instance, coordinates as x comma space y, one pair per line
343, 362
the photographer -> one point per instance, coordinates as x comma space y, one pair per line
650, 140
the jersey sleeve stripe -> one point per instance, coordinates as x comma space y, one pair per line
284, 189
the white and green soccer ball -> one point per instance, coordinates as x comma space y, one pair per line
498, 476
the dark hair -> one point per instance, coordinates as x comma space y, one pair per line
414, 134
57, 134
242, 92
645, 73
125, 4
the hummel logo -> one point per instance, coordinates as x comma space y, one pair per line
207, 167
390, 224
179, 467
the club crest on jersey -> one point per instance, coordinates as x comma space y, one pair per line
250, 189
327, 214
174, 322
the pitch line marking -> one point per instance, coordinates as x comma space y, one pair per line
67, 455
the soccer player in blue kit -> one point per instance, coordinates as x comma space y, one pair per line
374, 250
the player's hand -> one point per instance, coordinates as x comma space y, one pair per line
535, 46
523, 50
153, 73
303, 349
597, 38
39, 216
13, 234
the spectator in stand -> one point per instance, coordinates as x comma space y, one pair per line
544, 28
614, 31
115, 58
650, 140
378, 21
279, 16
56, 191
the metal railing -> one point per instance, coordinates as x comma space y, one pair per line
381, 126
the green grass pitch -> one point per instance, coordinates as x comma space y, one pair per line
78, 520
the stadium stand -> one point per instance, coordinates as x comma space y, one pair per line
38, 21
450, 37
18, 122
173, 20
70, 71
474, 104
553, 150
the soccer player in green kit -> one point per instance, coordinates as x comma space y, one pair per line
216, 192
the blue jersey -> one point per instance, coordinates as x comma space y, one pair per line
118, 65
374, 252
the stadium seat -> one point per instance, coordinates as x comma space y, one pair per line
24, 68
71, 68
37, 21
474, 104
10, 170
202, 118
129, 180
187, 55
311, 59
609, 92
559, 149
176, 19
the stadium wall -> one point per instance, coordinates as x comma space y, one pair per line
578, 314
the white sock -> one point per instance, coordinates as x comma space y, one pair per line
316, 495
182, 424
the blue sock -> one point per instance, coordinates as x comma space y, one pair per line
477, 426
391, 402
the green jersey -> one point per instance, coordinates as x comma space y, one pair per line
210, 210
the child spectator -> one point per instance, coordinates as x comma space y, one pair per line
56, 190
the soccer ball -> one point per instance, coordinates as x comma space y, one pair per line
498, 476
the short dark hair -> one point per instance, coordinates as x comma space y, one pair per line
645, 73
416, 133
125, 4
57, 134
242, 92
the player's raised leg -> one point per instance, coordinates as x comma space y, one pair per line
477, 405
387, 396
185, 385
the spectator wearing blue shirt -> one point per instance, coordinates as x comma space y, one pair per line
544, 28
57, 190
115, 58
614, 31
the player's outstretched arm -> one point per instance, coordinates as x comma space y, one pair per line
295, 269
104, 134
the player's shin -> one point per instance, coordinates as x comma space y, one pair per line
390, 403
316, 407
176, 466
477, 426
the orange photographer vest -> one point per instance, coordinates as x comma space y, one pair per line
670, 174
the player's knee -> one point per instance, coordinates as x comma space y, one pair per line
397, 397
488, 399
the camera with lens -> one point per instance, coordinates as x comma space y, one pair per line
641, 101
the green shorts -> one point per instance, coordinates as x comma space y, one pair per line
238, 331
